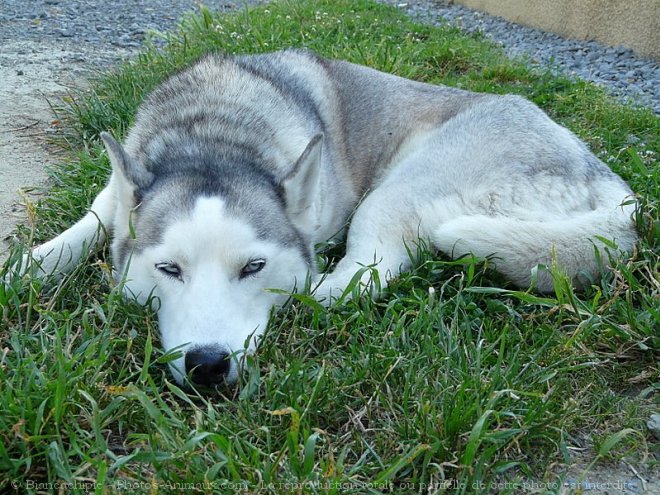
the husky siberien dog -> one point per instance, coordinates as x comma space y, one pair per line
237, 166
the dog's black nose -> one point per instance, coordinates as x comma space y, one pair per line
207, 365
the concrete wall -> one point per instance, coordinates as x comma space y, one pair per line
632, 23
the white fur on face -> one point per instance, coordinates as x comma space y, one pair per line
212, 305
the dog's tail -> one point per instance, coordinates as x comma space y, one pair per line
573, 244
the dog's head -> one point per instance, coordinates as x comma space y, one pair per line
208, 241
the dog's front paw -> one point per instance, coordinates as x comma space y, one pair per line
20, 265
341, 286
326, 292
43, 261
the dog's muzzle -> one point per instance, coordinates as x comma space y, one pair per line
207, 365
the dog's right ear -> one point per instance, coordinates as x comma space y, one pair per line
302, 186
128, 168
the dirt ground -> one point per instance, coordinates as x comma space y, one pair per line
30, 74
32, 77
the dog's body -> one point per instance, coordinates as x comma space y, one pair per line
236, 167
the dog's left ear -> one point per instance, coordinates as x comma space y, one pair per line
132, 171
302, 187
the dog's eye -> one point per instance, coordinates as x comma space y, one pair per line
253, 267
170, 269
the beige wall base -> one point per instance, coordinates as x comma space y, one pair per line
632, 23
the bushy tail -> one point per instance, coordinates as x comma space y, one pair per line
517, 246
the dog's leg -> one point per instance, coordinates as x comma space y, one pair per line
378, 239
61, 254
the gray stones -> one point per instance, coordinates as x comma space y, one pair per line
627, 76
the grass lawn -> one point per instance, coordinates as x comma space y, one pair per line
450, 381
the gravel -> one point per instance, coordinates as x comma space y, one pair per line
118, 23
632, 78
91, 27
88, 27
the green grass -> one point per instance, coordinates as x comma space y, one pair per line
447, 382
